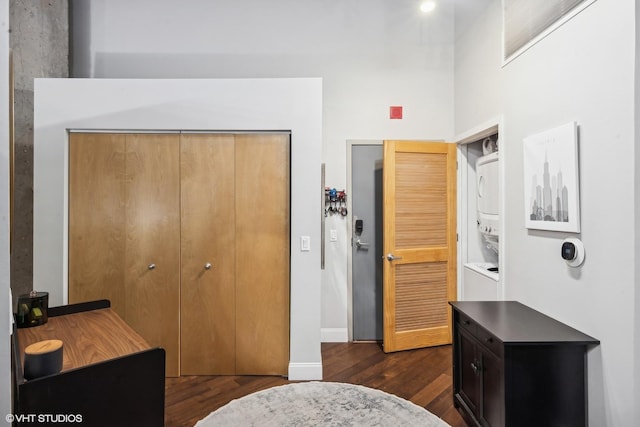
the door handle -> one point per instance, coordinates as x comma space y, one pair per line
475, 366
207, 266
151, 266
360, 244
391, 257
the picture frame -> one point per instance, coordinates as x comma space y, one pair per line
551, 179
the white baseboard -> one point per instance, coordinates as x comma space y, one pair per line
305, 371
313, 371
334, 335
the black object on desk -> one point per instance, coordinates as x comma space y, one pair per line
514, 366
32, 309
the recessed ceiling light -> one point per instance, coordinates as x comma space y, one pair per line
428, 6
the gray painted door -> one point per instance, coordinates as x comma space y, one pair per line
366, 199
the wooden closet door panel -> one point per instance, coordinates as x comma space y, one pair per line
97, 218
208, 255
153, 241
262, 254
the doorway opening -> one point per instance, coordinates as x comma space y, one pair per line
407, 212
365, 231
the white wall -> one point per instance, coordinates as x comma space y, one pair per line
5, 301
370, 55
584, 71
160, 104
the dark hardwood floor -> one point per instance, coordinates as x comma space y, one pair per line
422, 376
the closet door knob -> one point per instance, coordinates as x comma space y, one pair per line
207, 266
151, 266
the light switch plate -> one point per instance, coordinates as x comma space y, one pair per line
333, 235
305, 243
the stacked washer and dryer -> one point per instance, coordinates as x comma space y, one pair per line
480, 280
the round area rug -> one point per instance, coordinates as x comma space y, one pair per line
321, 404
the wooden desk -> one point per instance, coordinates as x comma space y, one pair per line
110, 375
88, 337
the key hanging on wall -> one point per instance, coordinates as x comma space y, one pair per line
335, 202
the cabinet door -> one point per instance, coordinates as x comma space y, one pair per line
152, 267
208, 302
468, 370
492, 400
97, 218
262, 254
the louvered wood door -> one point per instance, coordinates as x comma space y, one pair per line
208, 292
419, 217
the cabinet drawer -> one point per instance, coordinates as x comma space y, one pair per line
467, 323
489, 341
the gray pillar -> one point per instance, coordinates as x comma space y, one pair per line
39, 41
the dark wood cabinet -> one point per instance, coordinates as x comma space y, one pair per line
514, 366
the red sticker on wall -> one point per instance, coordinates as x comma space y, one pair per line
395, 112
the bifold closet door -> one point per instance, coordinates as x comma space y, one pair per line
188, 236
97, 200
124, 230
235, 254
152, 268
262, 254
208, 301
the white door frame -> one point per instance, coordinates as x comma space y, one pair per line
488, 128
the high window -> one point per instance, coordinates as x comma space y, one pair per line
527, 21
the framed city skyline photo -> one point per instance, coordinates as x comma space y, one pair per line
551, 184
